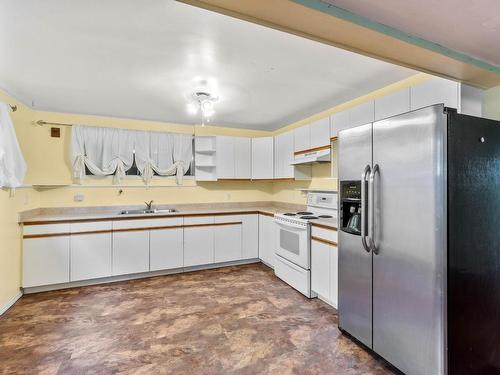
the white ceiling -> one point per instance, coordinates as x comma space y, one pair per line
470, 27
140, 59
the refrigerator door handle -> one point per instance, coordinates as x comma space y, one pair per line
371, 209
364, 207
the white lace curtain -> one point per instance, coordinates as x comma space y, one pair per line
110, 151
12, 164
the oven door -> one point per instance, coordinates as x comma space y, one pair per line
292, 243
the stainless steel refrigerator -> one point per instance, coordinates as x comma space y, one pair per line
419, 240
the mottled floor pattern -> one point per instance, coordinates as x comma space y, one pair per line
235, 320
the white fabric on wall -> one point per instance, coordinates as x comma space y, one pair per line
12, 163
105, 151
163, 153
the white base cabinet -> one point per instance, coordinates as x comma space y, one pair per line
250, 236
227, 244
324, 265
130, 252
166, 249
198, 241
45, 261
267, 239
90, 256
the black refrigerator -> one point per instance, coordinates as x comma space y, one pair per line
419, 280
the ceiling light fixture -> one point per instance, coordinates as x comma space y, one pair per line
202, 102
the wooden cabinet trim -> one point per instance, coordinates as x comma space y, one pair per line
322, 240
266, 214
311, 150
28, 236
324, 226
213, 224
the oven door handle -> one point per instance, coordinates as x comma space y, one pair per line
364, 208
291, 226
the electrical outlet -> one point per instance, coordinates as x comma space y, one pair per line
79, 197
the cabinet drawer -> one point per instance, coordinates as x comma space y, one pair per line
46, 229
228, 219
325, 234
91, 226
198, 220
147, 223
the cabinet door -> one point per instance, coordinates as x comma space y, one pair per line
302, 138
339, 121
434, 91
334, 275
284, 155
320, 133
227, 240
225, 157
267, 235
166, 248
263, 158
250, 236
362, 114
90, 256
242, 157
392, 104
45, 261
198, 241
130, 252
320, 268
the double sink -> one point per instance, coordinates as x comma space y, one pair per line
148, 211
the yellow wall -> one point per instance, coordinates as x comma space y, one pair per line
10, 204
492, 103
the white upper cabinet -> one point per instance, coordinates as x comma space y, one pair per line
302, 138
263, 158
362, 114
233, 157
392, 104
225, 157
320, 133
242, 158
339, 121
435, 91
283, 150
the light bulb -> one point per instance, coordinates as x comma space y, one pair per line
192, 108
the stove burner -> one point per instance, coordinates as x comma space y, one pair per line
289, 214
304, 213
325, 216
308, 217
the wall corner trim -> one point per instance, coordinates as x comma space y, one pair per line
10, 303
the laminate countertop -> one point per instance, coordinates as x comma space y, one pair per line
104, 213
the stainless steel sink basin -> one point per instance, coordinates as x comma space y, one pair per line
144, 211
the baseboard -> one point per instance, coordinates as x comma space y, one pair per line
113, 279
10, 303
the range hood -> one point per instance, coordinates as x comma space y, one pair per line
312, 157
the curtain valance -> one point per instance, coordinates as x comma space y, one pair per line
110, 151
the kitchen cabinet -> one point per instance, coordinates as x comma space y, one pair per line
225, 157
198, 241
435, 91
338, 121
250, 236
242, 158
166, 245
263, 158
320, 133
302, 138
324, 264
227, 238
91, 253
267, 239
130, 246
362, 114
284, 155
393, 104
233, 157
46, 259
205, 158
320, 268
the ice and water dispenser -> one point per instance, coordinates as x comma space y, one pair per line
350, 207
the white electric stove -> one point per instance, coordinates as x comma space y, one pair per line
293, 245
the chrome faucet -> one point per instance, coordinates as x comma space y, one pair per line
149, 205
